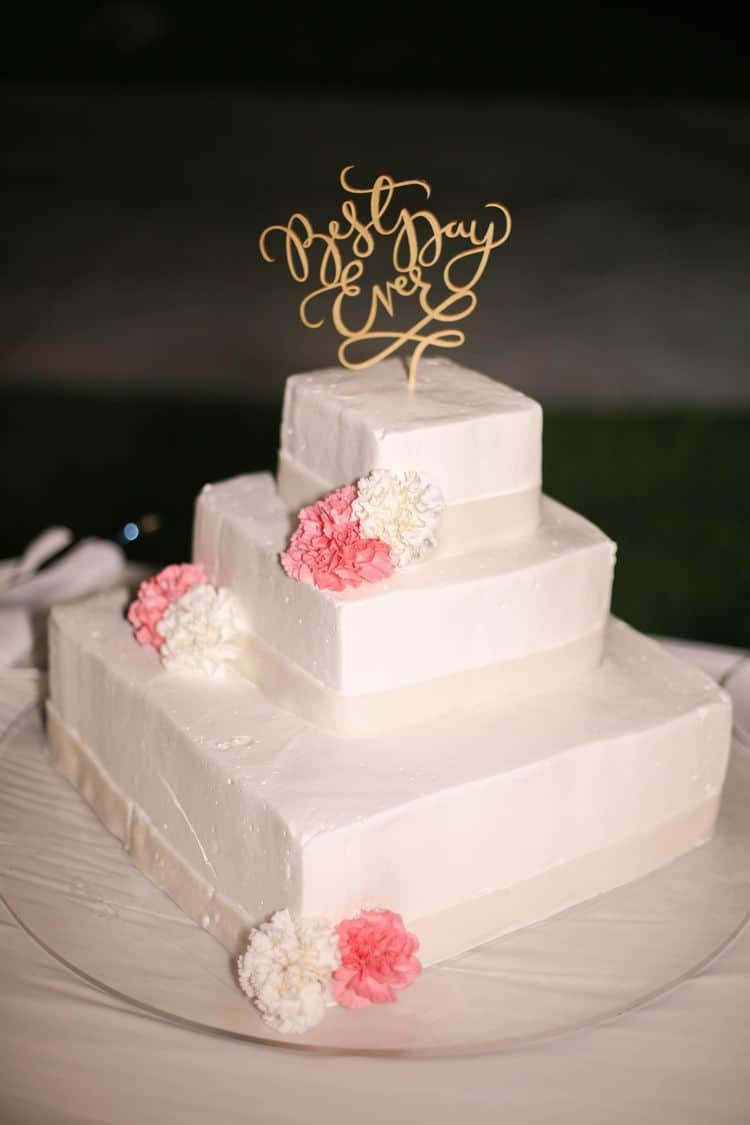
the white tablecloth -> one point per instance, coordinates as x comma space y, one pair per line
72, 1055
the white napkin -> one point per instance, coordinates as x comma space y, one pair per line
27, 592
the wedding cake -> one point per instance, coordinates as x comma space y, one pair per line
384, 715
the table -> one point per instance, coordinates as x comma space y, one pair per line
73, 1055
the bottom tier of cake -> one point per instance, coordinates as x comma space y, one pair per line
468, 827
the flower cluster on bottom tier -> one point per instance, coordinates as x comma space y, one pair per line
294, 968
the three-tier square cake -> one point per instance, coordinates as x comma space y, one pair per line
470, 742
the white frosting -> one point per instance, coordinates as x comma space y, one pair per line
400, 707
439, 618
610, 775
203, 632
403, 510
473, 437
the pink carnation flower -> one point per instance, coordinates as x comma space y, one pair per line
156, 595
328, 548
377, 955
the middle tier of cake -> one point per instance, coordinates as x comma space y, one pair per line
448, 633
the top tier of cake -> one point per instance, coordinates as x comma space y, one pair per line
480, 442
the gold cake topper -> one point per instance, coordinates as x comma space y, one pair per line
420, 243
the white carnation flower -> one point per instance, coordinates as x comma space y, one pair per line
287, 968
401, 509
202, 632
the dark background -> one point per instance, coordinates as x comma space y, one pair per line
143, 344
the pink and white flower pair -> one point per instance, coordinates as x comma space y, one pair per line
293, 968
360, 533
193, 626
